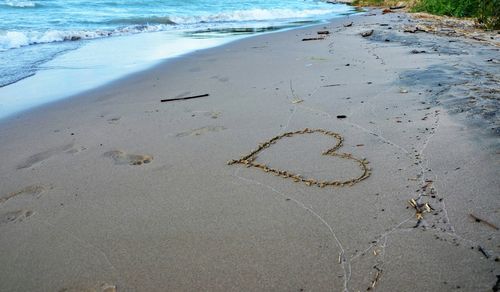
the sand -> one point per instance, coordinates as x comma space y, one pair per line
114, 190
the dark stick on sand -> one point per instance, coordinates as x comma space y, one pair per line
484, 221
484, 252
184, 98
312, 39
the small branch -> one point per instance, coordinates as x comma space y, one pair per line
185, 98
375, 281
484, 252
312, 39
397, 7
483, 221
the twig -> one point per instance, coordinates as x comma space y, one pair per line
483, 221
377, 278
184, 98
485, 253
397, 7
312, 39
414, 30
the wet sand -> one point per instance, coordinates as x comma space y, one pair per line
115, 190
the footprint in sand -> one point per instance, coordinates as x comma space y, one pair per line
15, 216
33, 190
39, 157
95, 288
200, 131
121, 157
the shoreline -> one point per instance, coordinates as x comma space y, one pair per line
88, 65
113, 189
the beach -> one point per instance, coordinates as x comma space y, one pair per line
114, 190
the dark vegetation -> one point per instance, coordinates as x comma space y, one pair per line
485, 12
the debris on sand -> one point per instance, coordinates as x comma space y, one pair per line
397, 7
185, 98
418, 51
312, 39
414, 29
483, 251
420, 210
367, 33
480, 220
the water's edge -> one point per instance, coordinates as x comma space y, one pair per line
59, 76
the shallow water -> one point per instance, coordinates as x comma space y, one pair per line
42, 40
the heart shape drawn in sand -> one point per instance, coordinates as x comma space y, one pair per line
249, 160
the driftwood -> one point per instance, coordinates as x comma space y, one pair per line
414, 30
184, 98
312, 39
479, 220
348, 24
332, 85
397, 7
367, 33
323, 32
418, 51
484, 252
496, 288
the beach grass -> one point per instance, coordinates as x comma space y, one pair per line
485, 12
384, 2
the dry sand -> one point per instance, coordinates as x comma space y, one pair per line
113, 189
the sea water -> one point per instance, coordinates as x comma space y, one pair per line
50, 49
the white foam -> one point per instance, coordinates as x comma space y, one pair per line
16, 39
253, 15
14, 3
95, 64
13, 39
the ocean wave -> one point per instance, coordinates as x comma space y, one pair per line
252, 15
143, 20
230, 16
16, 39
19, 4
12, 39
